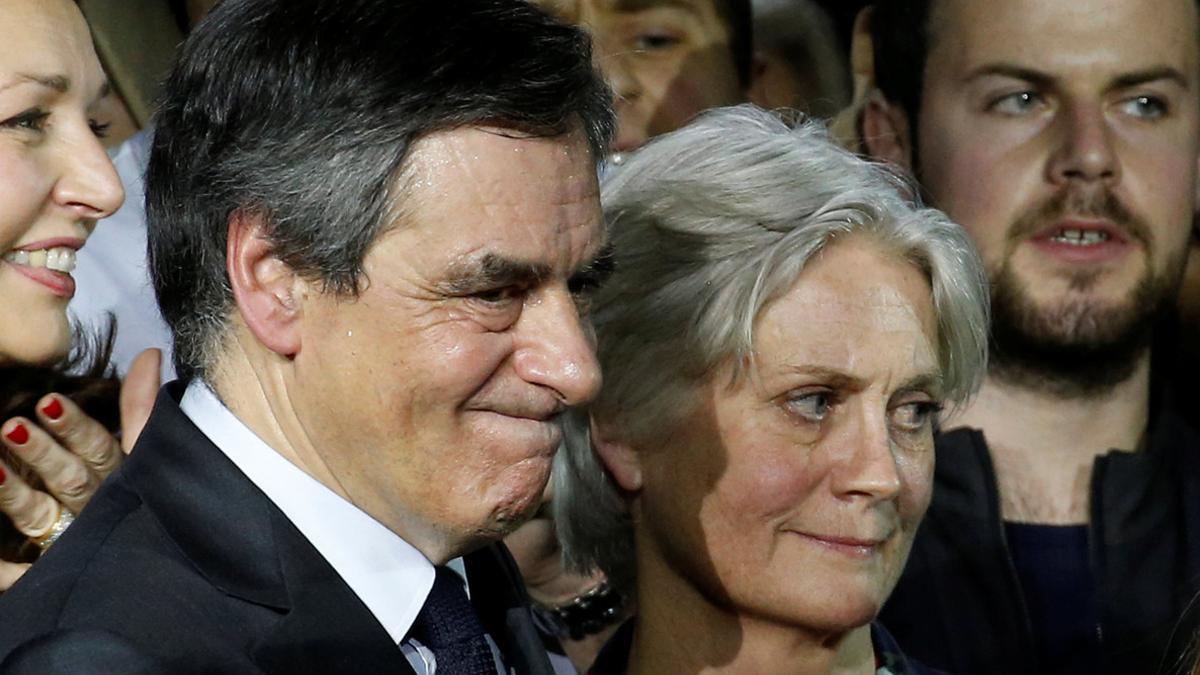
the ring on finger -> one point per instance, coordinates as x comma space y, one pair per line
47, 538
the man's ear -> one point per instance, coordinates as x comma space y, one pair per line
886, 133
267, 291
763, 73
621, 460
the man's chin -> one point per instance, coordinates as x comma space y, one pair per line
512, 513
1077, 348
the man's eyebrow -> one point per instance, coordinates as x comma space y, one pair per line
641, 5
493, 271
598, 269
1045, 80
1155, 74
1014, 71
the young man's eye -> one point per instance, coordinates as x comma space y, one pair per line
1016, 103
655, 41
1145, 107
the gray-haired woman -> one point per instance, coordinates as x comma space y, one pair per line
782, 328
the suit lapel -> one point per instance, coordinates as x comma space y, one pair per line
249, 550
328, 629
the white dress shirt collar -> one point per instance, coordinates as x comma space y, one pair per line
392, 578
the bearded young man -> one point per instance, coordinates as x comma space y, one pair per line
1064, 534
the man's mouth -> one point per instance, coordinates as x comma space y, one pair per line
1079, 237
1084, 241
57, 259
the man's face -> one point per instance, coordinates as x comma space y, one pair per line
433, 397
1064, 137
666, 60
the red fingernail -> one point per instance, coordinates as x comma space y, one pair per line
3, 476
18, 434
53, 409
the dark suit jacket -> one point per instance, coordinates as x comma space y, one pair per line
180, 564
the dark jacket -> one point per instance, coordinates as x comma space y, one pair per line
180, 564
959, 605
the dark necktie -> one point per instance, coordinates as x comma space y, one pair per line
448, 625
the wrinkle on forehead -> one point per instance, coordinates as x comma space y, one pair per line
469, 193
838, 324
446, 166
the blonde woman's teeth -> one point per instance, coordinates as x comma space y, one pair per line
59, 258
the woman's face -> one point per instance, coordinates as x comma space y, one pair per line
793, 496
55, 180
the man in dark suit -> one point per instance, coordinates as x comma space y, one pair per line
373, 227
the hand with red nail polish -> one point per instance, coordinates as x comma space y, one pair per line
18, 434
53, 409
55, 457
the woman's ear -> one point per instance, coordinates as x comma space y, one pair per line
618, 456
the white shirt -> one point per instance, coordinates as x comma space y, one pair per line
392, 578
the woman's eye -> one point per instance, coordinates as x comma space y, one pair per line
99, 129
1016, 103
915, 416
30, 120
812, 406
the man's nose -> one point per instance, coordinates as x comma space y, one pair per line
618, 72
555, 349
1085, 149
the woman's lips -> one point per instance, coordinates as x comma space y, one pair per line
853, 547
48, 262
59, 283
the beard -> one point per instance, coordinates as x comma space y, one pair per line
1077, 347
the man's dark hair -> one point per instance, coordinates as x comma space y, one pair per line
900, 33
301, 113
900, 37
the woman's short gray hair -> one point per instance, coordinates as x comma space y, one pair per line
708, 225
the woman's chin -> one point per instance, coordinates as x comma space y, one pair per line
36, 346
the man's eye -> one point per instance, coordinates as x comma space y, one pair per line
1017, 103
1145, 107
812, 406
915, 416
647, 42
499, 296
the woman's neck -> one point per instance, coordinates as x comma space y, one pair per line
682, 631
